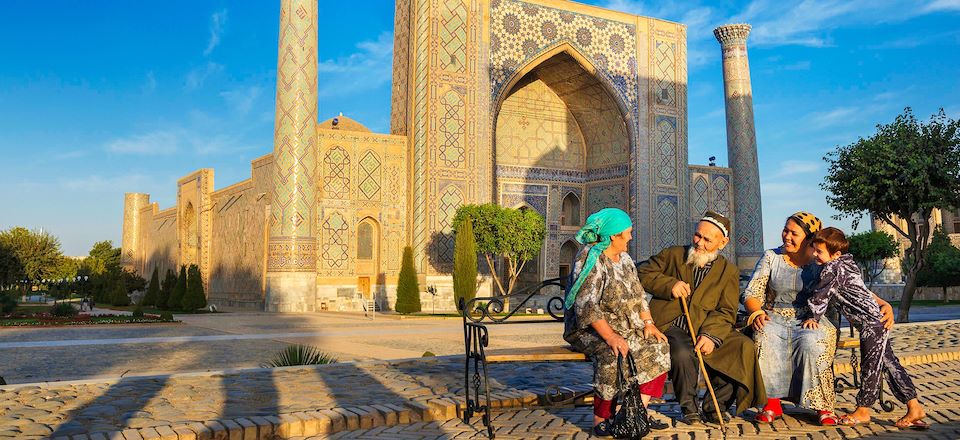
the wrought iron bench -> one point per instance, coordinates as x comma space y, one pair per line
841, 384
481, 311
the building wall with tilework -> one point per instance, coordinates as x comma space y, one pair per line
551, 105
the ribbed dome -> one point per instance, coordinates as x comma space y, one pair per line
343, 123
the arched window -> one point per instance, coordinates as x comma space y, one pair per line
570, 211
365, 241
568, 252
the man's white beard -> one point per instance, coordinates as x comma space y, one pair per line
700, 259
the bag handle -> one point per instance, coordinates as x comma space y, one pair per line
632, 368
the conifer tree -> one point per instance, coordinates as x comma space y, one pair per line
153, 290
176, 297
166, 289
408, 289
194, 298
464, 263
119, 295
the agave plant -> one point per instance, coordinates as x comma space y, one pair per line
298, 354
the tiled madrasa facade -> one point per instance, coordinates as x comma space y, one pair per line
548, 105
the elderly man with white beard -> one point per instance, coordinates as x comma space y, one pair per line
710, 285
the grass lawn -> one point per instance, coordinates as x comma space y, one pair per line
152, 310
926, 302
31, 309
91, 320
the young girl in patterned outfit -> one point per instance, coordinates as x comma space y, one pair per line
841, 282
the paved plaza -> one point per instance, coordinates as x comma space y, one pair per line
189, 380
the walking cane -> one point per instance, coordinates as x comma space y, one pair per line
703, 368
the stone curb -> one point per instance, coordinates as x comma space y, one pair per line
910, 359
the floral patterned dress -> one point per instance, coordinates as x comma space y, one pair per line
797, 363
613, 292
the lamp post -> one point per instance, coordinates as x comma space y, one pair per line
432, 290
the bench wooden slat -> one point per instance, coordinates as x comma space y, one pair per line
849, 343
535, 354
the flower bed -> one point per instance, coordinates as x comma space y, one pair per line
45, 319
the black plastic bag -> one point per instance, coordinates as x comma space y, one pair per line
631, 420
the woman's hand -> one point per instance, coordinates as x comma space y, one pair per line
618, 344
810, 324
759, 321
649, 329
887, 319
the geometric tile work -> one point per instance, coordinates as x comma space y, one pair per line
453, 35
721, 194
666, 233
451, 199
521, 30
334, 233
741, 138
666, 149
535, 129
665, 55
336, 174
451, 130
608, 196
369, 175
294, 153
699, 196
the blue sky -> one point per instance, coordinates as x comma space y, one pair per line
98, 98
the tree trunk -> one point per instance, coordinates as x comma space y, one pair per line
945, 299
909, 288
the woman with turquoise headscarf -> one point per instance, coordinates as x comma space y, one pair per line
607, 315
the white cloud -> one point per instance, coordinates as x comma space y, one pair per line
149, 84
217, 22
196, 77
96, 183
366, 69
836, 116
942, 5
241, 100
158, 142
796, 167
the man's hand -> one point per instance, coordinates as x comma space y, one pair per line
705, 345
810, 324
887, 310
681, 290
618, 345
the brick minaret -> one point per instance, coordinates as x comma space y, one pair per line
292, 248
741, 144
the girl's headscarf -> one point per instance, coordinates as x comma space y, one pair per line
598, 229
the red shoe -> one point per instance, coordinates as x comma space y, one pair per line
767, 416
828, 418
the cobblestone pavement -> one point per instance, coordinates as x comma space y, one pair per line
144, 402
347, 337
939, 386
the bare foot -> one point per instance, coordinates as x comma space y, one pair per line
913, 416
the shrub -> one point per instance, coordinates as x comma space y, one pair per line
464, 263
63, 310
408, 290
428, 354
166, 316
298, 354
194, 298
176, 296
153, 290
8, 302
138, 312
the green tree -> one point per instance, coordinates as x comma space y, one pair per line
166, 289
119, 295
408, 289
175, 301
870, 250
103, 257
464, 262
194, 298
33, 255
515, 235
153, 290
901, 173
943, 264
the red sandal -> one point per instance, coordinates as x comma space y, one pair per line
767, 416
828, 418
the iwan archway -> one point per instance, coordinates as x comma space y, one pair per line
559, 134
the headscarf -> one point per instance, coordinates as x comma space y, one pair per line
598, 229
807, 221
